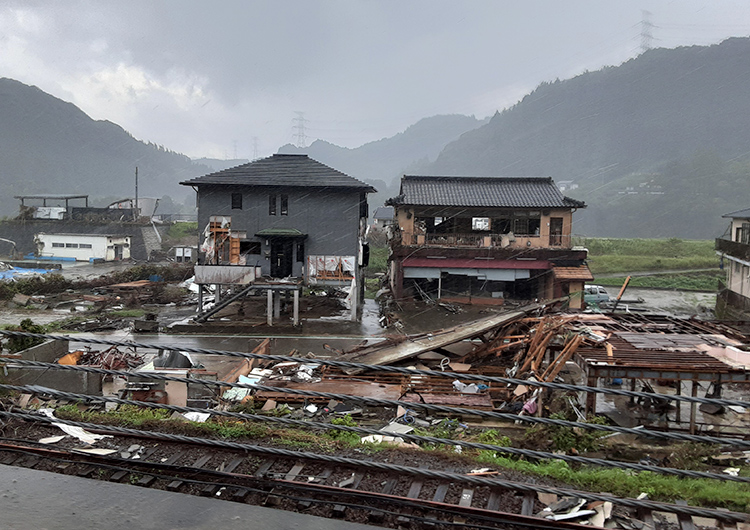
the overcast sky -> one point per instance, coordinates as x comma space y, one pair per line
205, 78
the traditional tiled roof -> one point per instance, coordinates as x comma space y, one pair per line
282, 170
499, 192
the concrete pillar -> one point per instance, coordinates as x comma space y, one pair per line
296, 307
277, 305
591, 396
217, 294
678, 404
269, 308
355, 299
200, 298
693, 405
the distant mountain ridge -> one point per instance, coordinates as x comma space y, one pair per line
382, 162
659, 145
51, 146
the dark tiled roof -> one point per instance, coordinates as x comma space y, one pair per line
739, 214
281, 170
384, 212
502, 192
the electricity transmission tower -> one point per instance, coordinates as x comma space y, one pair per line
299, 126
647, 37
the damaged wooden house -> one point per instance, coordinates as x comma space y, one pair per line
276, 225
485, 240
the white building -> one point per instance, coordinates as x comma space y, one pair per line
82, 247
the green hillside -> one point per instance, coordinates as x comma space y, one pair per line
659, 146
50, 146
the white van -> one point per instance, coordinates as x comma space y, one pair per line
595, 294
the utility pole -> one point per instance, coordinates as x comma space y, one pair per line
135, 210
234, 144
647, 37
299, 125
255, 148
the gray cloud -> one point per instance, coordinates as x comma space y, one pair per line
197, 77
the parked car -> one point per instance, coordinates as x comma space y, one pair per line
595, 294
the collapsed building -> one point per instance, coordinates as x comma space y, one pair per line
61, 227
485, 240
279, 224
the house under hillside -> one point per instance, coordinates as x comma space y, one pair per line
485, 240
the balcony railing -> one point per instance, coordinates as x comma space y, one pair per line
485, 240
733, 248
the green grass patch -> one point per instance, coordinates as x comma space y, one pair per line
378, 261
372, 286
180, 230
607, 255
692, 281
698, 492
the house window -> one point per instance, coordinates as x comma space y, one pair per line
284, 205
85, 245
272, 205
71, 245
520, 226
58, 245
236, 201
480, 223
250, 247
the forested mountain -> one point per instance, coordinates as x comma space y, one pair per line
50, 146
660, 145
381, 163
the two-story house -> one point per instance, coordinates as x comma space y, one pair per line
485, 239
282, 217
733, 299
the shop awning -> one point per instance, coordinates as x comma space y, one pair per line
271, 233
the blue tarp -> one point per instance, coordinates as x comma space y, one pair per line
18, 272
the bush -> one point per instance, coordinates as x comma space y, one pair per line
17, 344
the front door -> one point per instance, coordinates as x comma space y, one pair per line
281, 258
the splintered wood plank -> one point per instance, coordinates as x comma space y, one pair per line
379, 354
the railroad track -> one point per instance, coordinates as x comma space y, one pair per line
313, 486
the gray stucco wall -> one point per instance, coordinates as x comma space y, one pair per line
329, 217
